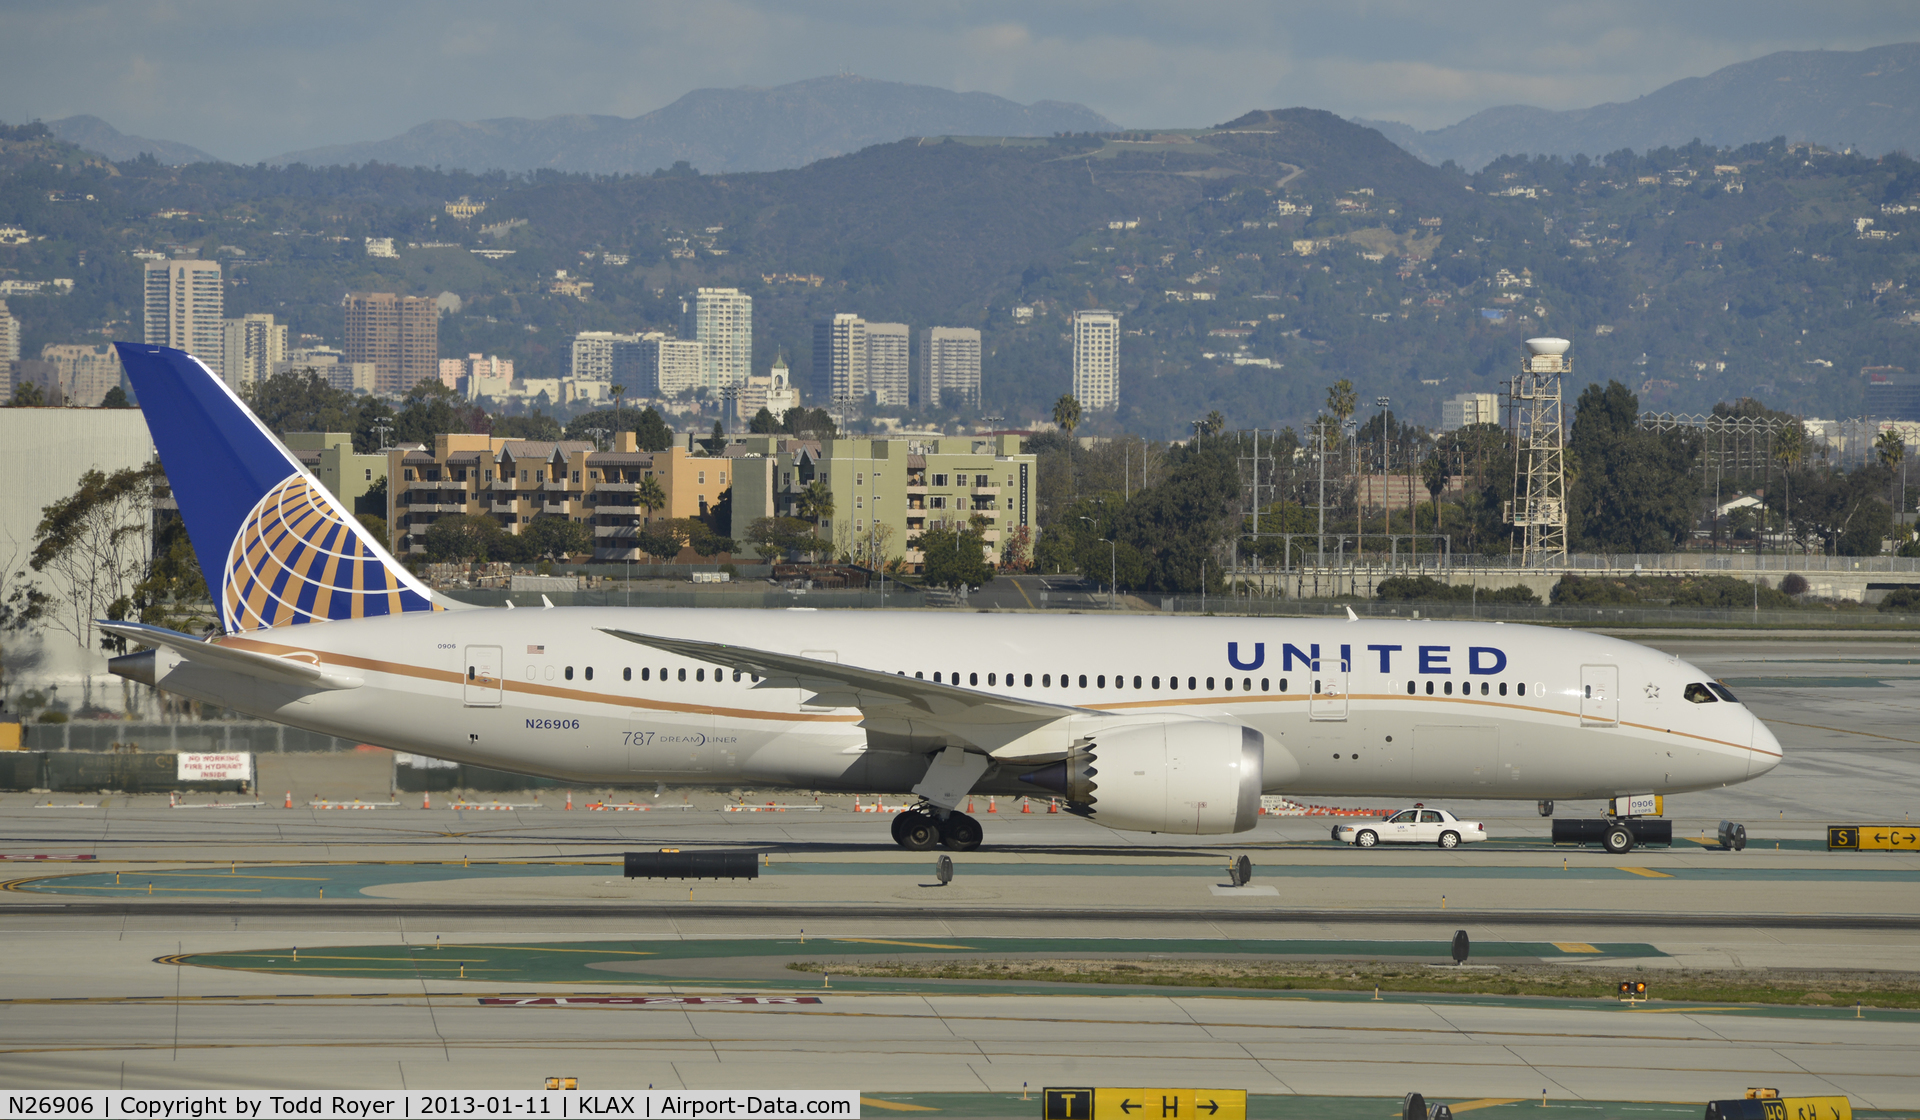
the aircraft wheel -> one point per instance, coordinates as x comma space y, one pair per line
1619, 839
961, 833
1546, 807
918, 832
897, 823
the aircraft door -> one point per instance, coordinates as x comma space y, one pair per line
483, 687
1328, 702
1600, 695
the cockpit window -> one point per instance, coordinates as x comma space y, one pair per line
1699, 694
1721, 691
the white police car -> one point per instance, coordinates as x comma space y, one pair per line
1418, 825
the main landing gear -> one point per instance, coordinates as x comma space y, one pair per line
920, 830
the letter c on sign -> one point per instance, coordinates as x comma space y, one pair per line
1494, 660
1259, 656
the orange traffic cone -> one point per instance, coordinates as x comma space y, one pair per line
1052, 805
426, 800
1025, 807
991, 808
289, 799
969, 804
569, 800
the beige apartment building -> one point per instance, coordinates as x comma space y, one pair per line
185, 304
516, 481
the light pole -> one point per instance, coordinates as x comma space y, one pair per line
598, 435
1386, 480
1113, 573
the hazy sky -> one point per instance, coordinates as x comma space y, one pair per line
247, 80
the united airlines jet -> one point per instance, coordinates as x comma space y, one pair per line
1166, 725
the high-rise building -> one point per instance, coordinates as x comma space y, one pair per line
839, 359
1465, 409
1892, 393
186, 302
950, 368
606, 356
399, 334
666, 367
1096, 359
253, 345
9, 336
84, 372
723, 325
889, 369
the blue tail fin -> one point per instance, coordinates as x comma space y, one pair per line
276, 548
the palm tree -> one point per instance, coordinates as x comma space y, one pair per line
1066, 413
618, 391
1893, 452
816, 505
650, 495
1341, 401
1789, 448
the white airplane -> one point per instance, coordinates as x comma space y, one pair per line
1173, 725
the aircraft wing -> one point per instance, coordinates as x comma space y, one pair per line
289, 669
1006, 726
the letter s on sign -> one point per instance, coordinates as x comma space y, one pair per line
1485, 660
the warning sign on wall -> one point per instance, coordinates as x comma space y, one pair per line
214, 768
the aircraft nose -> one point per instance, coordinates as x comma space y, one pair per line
1766, 753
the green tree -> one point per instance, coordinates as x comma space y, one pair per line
116, 398
652, 431
536, 425
773, 537
1789, 449
94, 546
173, 593
27, 395
1633, 490
556, 538
1435, 473
1892, 451
954, 557
763, 423
302, 401
470, 536
431, 409
376, 527
649, 495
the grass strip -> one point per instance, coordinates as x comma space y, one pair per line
1798, 987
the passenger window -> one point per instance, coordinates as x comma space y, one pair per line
1229, 684
1046, 680
1699, 694
626, 674
1428, 816
736, 674
1209, 684
589, 672
1192, 684
1503, 688
1401, 818
1410, 688
989, 680
1029, 680
1083, 680
1483, 688
973, 678
1523, 688
569, 672
1721, 691
1283, 684
1588, 689
1449, 688
936, 676
919, 676
1102, 679
1263, 684
683, 674
700, 675
1156, 682
1136, 682
1429, 688
1246, 684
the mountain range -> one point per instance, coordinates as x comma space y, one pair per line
96, 135
1868, 100
717, 130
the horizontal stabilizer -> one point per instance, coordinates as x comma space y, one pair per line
289, 669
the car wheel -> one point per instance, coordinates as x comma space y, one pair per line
1449, 839
1619, 840
919, 834
1367, 838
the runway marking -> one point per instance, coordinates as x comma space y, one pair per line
909, 944
1647, 872
1843, 731
896, 1106
543, 949
1574, 947
1485, 1102
1030, 603
1672, 1010
324, 957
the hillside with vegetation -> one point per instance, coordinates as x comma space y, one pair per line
1253, 263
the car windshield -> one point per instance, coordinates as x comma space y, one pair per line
1720, 690
1699, 694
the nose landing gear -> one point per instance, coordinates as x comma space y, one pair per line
920, 830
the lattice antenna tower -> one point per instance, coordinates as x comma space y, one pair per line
1539, 508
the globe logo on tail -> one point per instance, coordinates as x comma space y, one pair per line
297, 560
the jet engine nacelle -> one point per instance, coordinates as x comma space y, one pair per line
1187, 776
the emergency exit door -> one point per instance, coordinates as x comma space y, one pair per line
1599, 695
1328, 701
483, 688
